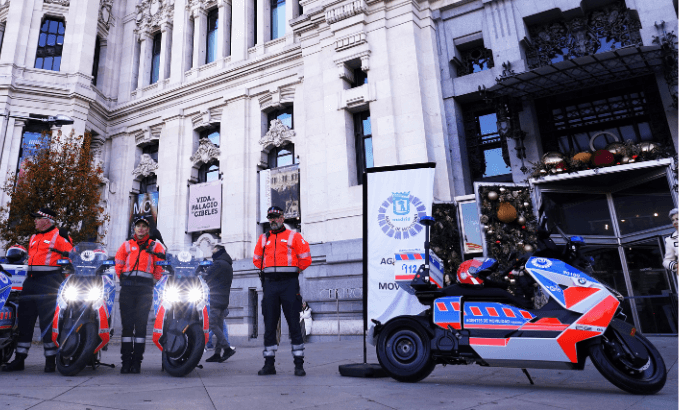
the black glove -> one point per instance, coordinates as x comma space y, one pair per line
63, 232
62, 253
150, 246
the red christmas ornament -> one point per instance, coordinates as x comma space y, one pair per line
497, 241
602, 158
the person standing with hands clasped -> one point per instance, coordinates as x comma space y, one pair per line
672, 244
219, 277
39, 294
281, 254
136, 267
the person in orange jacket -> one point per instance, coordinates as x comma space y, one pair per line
281, 254
136, 267
38, 297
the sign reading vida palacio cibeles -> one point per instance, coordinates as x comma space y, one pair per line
205, 206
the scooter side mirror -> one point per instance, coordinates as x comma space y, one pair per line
427, 221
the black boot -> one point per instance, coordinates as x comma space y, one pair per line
16, 364
268, 366
227, 353
126, 367
299, 366
135, 368
50, 364
215, 357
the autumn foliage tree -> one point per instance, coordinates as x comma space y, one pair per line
60, 176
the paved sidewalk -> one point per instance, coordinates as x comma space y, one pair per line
234, 384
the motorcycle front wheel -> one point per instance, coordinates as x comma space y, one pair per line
7, 351
88, 339
404, 351
184, 363
647, 379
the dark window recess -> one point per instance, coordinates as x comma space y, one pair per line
631, 110
487, 151
211, 134
95, 63
212, 25
364, 144
474, 60
155, 58
282, 156
607, 28
148, 184
284, 114
360, 77
50, 45
152, 150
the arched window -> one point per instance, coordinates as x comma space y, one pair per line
209, 172
282, 156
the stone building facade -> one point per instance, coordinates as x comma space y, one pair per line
179, 92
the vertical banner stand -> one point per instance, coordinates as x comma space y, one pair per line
365, 369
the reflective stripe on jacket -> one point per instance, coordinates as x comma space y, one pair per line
39, 252
126, 259
283, 249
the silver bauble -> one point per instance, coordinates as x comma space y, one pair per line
528, 248
625, 160
502, 189
526, 204
512, 281
492, 195
521, 220
490, 231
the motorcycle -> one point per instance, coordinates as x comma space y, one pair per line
580, 317
181, 302
12, 276
82, 319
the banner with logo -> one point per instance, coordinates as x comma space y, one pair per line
146, 205
395, 199
205, 206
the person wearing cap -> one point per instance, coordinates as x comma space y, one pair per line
136, 267
38, 298
281, 254
672, 244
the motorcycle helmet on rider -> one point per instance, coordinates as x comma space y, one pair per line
16, 254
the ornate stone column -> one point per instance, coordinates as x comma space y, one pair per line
165, 49
199, 36
224, 29
291, 12
243, 28
263, 21
145, 51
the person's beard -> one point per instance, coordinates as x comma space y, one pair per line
275, 225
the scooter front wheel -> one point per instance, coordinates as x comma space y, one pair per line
87, 342
404, 350
646, 379
184, 363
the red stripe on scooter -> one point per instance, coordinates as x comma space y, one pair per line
508, 312
441, 306
445, 325
483, 341
599, 316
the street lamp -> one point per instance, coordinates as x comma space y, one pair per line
58, 120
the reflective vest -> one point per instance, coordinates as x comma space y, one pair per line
39, 253
128, 259
282, 252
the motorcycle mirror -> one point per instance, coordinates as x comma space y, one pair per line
109, 262
427, 220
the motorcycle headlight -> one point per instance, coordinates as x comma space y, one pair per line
70, 294
95, 293
171, 294
195, 295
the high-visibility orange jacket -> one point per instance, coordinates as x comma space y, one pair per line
128, 259
282, 252
39, 253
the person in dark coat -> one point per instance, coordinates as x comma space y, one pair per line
219, 277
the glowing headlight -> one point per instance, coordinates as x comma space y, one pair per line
70, 294
95, 293
195, 295
171, 294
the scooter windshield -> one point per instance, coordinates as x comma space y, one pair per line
185, 263
88, 259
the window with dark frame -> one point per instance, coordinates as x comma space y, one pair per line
152, 150
363, 144
360, 77
212, 134
210, 171
50, 45
148, 184
487, 152
277, 19
95, 63
155, 58
283, 114
212, 26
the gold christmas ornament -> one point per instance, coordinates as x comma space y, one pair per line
506, 212
552, 158
615, 148
583, 157
521, 220
492, 195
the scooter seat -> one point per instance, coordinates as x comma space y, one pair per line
488, 294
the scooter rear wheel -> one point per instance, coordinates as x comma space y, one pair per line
87, 342
185, 363
404, 350
648, 379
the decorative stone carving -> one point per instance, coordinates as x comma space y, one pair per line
507, 72
607, 28
4, 4
64, 3
206, 118
200, 4
105, 12
474, 60
279, 134
345, 11
206, 152
277, 97
146, 167
151, 13
352, 40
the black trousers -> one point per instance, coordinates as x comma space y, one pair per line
38, 299
135, 304
281, 294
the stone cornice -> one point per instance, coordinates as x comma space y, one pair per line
345, 11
